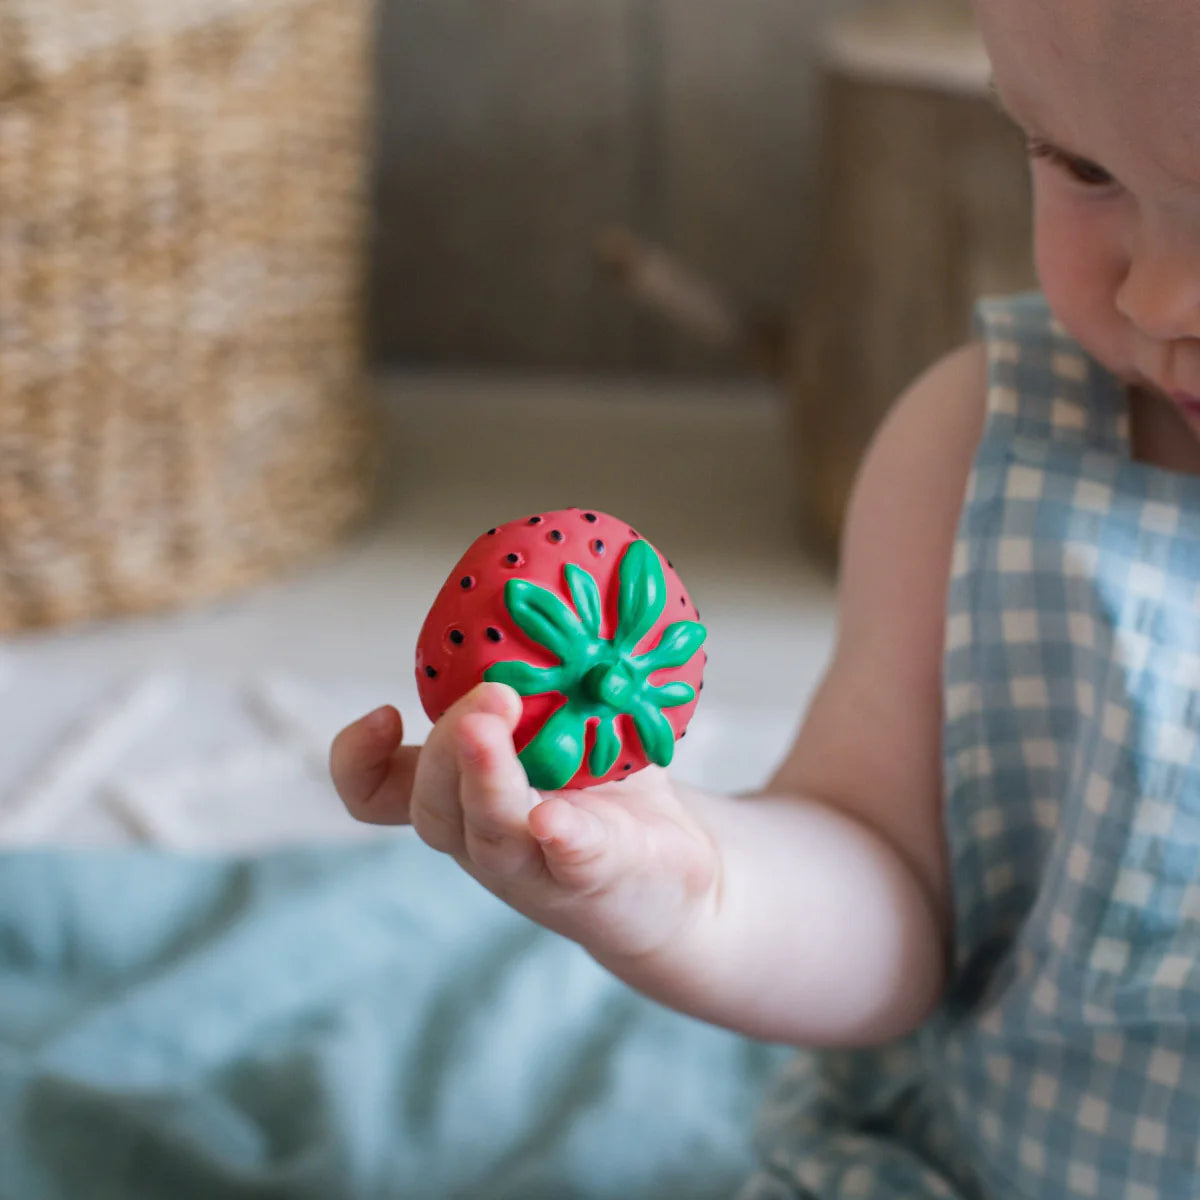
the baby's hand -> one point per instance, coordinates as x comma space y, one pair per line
621, 868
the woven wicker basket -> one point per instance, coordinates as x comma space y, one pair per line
182, 408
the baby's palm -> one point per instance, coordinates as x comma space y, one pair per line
620, 868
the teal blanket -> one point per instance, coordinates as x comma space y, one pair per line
348, 1021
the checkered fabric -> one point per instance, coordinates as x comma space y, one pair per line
1065, 1061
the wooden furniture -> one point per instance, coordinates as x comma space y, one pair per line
923, 209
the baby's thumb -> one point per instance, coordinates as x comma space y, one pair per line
496, 698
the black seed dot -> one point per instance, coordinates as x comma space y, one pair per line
535, 520
670, 564
456, 636
683, 734
683, 601
555, 535
627, 766
431, 672
491, 532
494, 635
597, 546
512, 558
467, 582
590, 517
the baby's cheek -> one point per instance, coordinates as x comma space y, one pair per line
1064, 265
1080, 267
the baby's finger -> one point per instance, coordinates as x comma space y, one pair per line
370, 770
496, 798
580, 849
436, 808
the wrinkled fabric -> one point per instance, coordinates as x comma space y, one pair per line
345, 1022
1065, 1060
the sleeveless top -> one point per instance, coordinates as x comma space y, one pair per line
1064, 1060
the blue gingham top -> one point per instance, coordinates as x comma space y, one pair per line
1065, 1060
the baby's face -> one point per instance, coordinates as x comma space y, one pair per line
1108, 94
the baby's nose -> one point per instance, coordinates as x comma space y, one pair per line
1160, 293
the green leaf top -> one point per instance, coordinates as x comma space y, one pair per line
586, 596
677, 644
601, 678
543, 617
642, 597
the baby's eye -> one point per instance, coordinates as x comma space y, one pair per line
1081, 170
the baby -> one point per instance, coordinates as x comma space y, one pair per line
975, 881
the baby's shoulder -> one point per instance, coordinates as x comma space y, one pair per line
920, 458
902, 522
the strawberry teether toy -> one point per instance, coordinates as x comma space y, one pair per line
587, 621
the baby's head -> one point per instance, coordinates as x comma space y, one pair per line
1108, 93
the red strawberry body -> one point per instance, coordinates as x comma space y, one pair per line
589, 623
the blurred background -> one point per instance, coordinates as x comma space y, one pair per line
297, 297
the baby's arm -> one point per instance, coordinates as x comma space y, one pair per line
836, 902
814, 913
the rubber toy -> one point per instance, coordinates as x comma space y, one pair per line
590, 624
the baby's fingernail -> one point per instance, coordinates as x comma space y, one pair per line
507, 696
480, 692
380, 719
